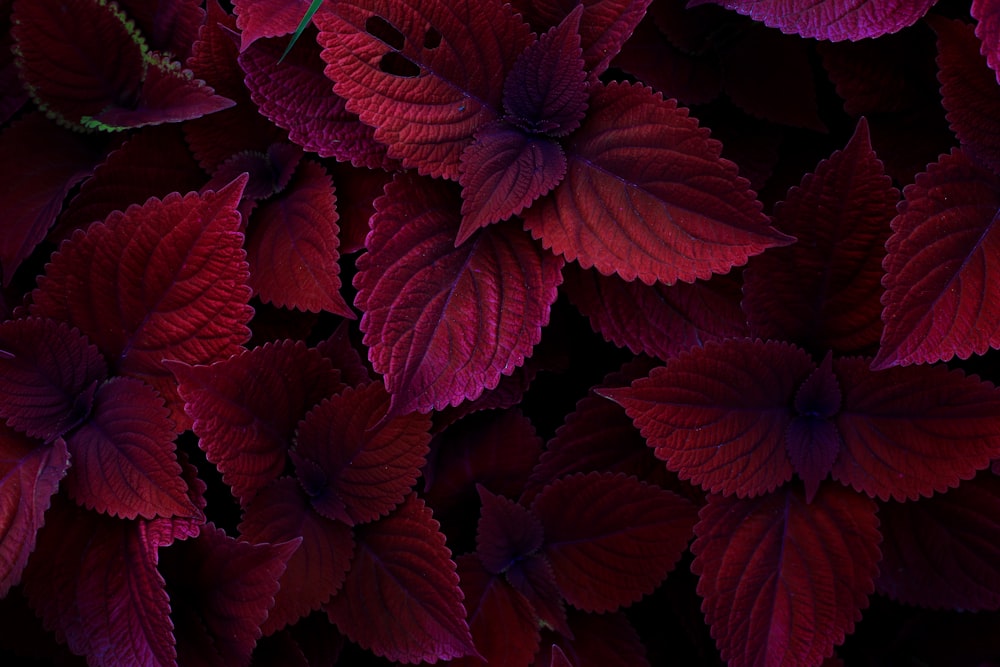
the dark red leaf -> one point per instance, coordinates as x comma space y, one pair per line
342, 352
164, 531
48, 375
268, 18
610, 538
269, 173
534, 578
812, 440
987, 15
425, 74
354, 464
281, 512
559, 658
784, 581
444, 323
29, 476
718, 414
649, 198
941, 256
168, 25
357, 190
165, 280
245, 409
599, 640
403, 571
507, 532
910, 432
503, 171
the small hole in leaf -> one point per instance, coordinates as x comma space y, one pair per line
432, 39
396, 63
380, 29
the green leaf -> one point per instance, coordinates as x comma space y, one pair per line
313, 8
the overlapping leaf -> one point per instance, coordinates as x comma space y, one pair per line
987, 15
257, 19
599, 640
169, 26
508, 532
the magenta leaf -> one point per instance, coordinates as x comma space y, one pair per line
48, 375
292, 245
424, 74
718, 414
29, 476
402, 570
267, 18
652, 198
281, 512
355, 465
245, 409
937, 301
444, 323
610, 538
503, 171
784, 581
942, 552
835, 20
987, 15
910, 432
165, 280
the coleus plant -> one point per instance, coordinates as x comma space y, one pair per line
220, 451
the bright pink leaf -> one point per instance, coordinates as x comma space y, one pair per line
425, 74
784, 581
610, 538
651, 198
165, 280
938, 302
281, 512
267, 18
718, 414
245, 409
444, 323
354, 464
403, 571
910, 432
48, 375
29, 476
987, 15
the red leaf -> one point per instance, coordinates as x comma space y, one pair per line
354, 464
166, 280
610, 538
784, 581
29, 476
245, 409
503, 171
268, 18
647, 196
281, 512
292, 245
718, 414
444, 323
941, 255
48, 375
401, 599
987, 15
169, 25
823, 292
425, 74
911, 432
942, 552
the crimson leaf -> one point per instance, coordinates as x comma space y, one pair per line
987, 15
267, 18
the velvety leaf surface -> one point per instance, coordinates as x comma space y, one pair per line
823, 292
124, 463
835, 20
281, 512
48, 375
245, 409
718, 415
424, 74
165, 280
941, 552
292, 245
355, 465
508, 532
268, 18
647, 196
444, 323
402, 570
29, 476
784, 581
911, 432
611, 538
987, 15
937, 301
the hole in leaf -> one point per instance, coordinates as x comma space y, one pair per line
396, 63
432, 39
380, 29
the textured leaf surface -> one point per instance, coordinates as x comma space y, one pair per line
647, 195
444, 323
267, 18
784, 581
610, 538
425, 74
402, 570
987, 15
